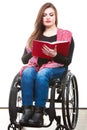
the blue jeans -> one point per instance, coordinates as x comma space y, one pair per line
35, 85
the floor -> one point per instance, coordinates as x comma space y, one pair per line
81, 125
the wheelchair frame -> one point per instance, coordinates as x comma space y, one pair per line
66, 91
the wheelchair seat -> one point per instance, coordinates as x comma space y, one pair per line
64, 91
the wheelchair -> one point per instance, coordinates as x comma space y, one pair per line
64, 91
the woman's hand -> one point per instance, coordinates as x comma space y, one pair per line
49, 52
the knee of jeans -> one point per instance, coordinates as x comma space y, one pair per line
29, 73
42, 74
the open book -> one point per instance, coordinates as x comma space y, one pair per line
62, 48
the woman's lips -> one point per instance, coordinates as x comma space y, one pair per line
48, 21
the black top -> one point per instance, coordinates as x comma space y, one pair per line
58, 58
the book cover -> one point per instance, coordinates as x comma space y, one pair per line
62, 48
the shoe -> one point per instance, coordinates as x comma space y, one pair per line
37, 118
27, 114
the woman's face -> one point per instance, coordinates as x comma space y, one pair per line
49, 17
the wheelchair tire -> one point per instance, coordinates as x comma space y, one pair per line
13, 97
70, 101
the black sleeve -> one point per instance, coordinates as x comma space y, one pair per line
65, 60
26, 56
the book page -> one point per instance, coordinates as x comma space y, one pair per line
58, 42
55, 42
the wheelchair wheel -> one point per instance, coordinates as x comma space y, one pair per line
15, 103
70, 101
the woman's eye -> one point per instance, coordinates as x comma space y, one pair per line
51, 14
44, 15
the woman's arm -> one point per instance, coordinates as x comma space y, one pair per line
65, 60
26, 56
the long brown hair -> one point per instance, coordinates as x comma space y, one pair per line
39, 27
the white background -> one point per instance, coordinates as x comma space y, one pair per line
17, 19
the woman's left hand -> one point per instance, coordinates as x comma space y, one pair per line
49, 52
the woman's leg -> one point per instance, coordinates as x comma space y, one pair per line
27, 85
42, 83
41, 90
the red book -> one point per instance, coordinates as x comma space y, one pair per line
62, 48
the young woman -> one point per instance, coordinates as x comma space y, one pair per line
36, 75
